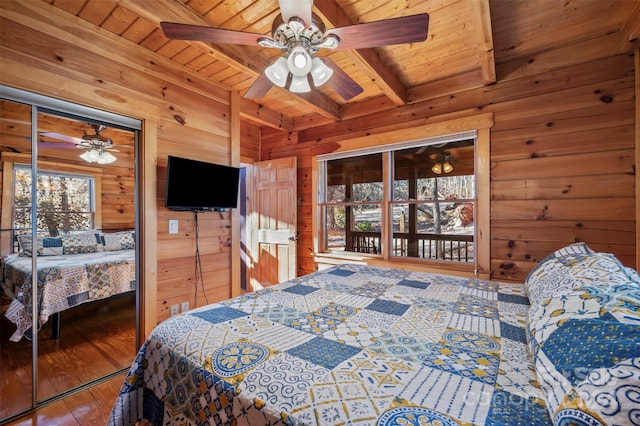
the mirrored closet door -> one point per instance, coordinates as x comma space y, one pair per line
69, 218
16, 366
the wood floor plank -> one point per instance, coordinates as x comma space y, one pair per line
94, 341
87, 408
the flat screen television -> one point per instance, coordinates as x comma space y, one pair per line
200, 186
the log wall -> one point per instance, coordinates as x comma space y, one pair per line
562, 156
249, 142
183, 115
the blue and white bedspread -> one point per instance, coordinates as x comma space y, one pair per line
347, 345
64, 281
584, 337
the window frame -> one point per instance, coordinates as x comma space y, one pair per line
476, 126
59, 174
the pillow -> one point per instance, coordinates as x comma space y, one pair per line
26, 248
586, 329
633, 275
84, 242
118, 241
551, 275
51, 246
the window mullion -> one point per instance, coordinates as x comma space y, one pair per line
386, 231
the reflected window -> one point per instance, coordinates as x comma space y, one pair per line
65, 202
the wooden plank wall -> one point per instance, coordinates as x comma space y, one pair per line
562, 155
118, 202
249, 142
184, 114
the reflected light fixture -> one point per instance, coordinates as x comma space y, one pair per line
98, 155
443, 164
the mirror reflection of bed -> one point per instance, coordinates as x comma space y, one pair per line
87, 287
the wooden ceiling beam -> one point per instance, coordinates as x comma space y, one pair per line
261, 115
482, 15
447, 87
630, 32
422, 93
156, 11
241, 58
367, 60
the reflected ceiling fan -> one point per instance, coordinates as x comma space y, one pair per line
300, 34
98, 147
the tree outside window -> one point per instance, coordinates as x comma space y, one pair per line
65, 202
354, 196
430, 211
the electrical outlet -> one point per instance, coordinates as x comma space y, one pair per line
173, 226
174, 310
184, 307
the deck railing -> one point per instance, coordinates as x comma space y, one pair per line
457, 248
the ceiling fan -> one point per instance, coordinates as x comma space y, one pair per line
300, 34
98, 146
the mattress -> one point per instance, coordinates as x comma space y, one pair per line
64, 281
347, 345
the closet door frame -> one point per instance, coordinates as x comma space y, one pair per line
41, 103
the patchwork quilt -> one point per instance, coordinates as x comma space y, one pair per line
584, 337
348, 345
64, 281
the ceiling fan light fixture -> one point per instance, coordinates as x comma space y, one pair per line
97, 155
299, 61
320, 72
300, 84
105, 157
442, 164
278, 72
90, 156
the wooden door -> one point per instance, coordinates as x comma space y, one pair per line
274, 233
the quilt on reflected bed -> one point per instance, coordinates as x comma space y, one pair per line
375, 346
64, 281
347, 345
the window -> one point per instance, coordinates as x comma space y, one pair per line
428, 214
65, 202
353, 205
433, 202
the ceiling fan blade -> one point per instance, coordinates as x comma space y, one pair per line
176, 31
65, 145
341, 82
299, 8
62, 137
406, 29
259, 88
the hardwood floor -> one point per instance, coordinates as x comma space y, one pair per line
96, 340
87, 408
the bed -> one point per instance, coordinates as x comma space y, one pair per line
367, 345
94, 266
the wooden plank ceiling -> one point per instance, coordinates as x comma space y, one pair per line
467, 41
